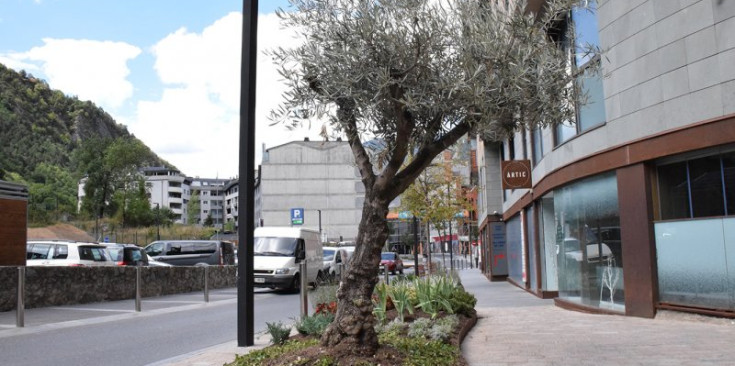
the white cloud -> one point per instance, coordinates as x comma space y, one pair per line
195, 125
91, 70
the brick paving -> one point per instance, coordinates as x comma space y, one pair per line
516, 328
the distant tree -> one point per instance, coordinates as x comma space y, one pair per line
134, 205
192, 209
109, 166
209, 221
53, 194
417, 75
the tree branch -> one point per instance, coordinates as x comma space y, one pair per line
423, 158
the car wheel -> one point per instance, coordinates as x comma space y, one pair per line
296, 284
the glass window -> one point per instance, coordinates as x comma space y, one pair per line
531, 239
589, 257
514, 242
538, 145
586, 66
728, 177
39, 251
547, 243
705, 177
592, 112
586, 35
154, 249
673, 191
564, 131
61, 251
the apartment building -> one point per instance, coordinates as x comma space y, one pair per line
631, 205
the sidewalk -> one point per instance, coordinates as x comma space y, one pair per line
516, 328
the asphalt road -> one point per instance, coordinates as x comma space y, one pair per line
114, 334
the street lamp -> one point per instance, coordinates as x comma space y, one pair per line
320, 225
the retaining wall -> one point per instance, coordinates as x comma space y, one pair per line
54, 286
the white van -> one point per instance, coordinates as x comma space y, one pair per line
277, 252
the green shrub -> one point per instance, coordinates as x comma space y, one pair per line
279, 332
380, 302
315, 324
419, 328
434, 294
256, 358
443, 328
400, 296
463, 302
420, 352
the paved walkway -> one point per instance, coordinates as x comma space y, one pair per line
516, 328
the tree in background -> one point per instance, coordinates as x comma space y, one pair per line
110, 167
416, 75
193, 207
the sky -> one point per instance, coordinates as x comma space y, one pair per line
169, 70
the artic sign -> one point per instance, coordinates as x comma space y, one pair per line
516, 174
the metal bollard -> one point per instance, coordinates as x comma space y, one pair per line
341, 268
385, 272
20, 310
304, 284
206, 283
137, 289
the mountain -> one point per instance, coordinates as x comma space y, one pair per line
42, 125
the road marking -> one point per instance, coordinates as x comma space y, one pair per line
95, 309
173, 301
7, 326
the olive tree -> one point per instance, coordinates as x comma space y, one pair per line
415, 75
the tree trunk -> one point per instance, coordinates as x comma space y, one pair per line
353, 326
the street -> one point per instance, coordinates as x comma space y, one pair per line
114, 334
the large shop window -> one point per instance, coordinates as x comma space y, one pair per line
703, 187
516, 261
586, 67
696, 262
589, 250
547, 241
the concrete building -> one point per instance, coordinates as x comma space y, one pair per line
319, 177
631, 206
211, 193
168, 188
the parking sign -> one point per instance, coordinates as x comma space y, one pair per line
297, 216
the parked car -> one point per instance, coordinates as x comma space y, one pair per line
126, 254
333, 257
391, 262
66, 253
192, 252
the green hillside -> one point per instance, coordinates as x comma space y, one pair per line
49, 141
41, 125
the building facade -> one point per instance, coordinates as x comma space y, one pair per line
631, 206
168, 188
319, 177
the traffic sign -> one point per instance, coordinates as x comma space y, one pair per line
297, 216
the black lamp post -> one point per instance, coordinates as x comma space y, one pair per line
248, 62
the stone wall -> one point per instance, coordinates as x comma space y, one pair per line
54, 286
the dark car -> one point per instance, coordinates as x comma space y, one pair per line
127, 254
391, 262
192, 252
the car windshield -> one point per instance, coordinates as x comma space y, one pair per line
328, 255
274, 246
388, 256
